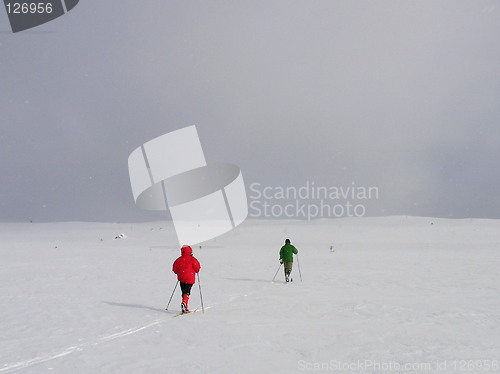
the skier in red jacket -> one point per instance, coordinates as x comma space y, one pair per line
186, 267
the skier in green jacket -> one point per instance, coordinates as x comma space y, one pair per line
286, 258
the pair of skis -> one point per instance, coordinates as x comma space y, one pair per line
187, 312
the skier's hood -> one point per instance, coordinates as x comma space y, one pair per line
186, 250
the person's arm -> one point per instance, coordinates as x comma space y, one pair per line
174, 267
196, 265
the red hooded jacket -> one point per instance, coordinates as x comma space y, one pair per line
186, 266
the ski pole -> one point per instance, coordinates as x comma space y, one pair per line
172, 295
276, 272
298, 264
201, 295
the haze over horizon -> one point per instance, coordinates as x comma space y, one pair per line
401, 96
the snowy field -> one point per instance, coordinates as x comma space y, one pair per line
397, 295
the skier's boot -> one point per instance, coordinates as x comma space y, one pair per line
184, 304
286, 277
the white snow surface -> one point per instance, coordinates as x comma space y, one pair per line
412, 295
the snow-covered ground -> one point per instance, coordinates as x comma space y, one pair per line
398, 294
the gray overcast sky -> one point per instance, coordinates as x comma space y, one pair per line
402, 95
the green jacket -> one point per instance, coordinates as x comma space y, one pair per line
286, 253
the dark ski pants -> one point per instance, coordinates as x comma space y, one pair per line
288, 267
186, 288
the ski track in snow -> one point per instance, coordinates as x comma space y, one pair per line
78, 348
38, 360
41, 359
9, 368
